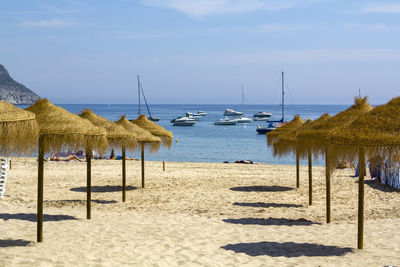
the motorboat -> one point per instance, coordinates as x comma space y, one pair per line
261, 118
183, 121
262, 114
244, 120
193, 116
153, 118
231, 112
200, 113
226, 121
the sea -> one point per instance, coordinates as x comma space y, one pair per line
206, 142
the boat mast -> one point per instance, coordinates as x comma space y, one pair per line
283, 98
242, 100
144, 97
138, 87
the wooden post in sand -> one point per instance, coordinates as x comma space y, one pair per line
328, 186
40, 192
142, 158
163, 166
88, 181
309, 177
297, 170
123, 174
361, 174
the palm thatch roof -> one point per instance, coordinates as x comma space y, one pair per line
293, 124
116, 134
288, 143
316, 136
378, 131
155, 129
151, 142
18, 130
60, 129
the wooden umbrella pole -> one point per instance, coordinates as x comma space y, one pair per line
309, 177
361, 174
88, 182
297, 169
142, 158
328, 186
123, 174
40, 192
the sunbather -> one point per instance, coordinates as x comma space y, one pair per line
53, 157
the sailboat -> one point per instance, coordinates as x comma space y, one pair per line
272, 125
243, 119
140, 89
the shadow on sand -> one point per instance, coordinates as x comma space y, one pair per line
14, 243
267, 205
287, 249
375, 184
76, 201
259, 188
32, 217
271, 221
104, 189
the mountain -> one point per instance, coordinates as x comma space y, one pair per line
14, 92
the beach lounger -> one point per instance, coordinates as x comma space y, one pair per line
3, 175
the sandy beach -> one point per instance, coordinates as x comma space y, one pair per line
208, 214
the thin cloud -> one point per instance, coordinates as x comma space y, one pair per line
198, 8
378, 27
377, 7
53, 23
286, 27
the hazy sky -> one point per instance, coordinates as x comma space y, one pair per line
202, 51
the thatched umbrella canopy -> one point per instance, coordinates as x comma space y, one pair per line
293, 124
289, 143
284, 129
315, 138
373, 133
117, 136
155, 129
60, 129
18, 130
151, 142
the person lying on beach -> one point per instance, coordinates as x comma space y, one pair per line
53, 157
113, 156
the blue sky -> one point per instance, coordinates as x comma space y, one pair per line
194, 51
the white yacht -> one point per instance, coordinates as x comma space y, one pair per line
183, 121
244, 120
201, 113
193, 116
226, 121
231, 112
262, 114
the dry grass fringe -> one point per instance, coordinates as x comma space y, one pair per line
116, 134
293, 124
151, 142
18, 137
155, 129
61, 129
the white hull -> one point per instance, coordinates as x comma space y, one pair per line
244, 120
231, 112
225, 121
183, 121
261, 118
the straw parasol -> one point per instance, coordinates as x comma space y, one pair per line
60, 129
154, 129
117, 136
18, 130
315, 138
144, 138
373, 133
289, 143
293, 124
284, 129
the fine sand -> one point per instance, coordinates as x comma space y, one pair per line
208, 214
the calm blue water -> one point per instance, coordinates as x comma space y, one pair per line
205, 142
